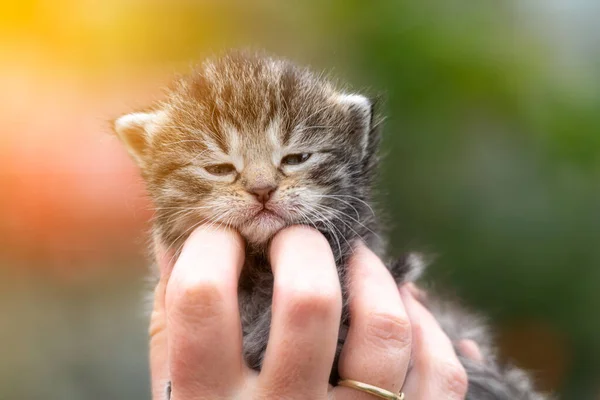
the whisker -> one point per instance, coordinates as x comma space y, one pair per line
352, 218
333, 231
342, 221
353, 198
340, 200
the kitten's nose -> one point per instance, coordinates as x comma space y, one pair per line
263, 194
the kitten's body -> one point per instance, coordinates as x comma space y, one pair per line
258, 144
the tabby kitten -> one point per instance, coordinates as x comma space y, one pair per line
257, 144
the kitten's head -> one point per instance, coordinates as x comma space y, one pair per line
254, 143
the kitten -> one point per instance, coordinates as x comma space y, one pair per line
257, 143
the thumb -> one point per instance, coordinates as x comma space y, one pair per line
159, 370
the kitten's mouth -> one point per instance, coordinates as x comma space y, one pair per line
264, 218
266, 215
261, 225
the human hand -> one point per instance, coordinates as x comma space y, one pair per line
196, 339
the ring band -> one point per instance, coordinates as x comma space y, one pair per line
374, 390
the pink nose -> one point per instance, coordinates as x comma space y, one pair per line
263, 194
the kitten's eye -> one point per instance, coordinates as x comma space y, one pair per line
295, 159
220, 169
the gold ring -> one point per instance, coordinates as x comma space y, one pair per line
374, 390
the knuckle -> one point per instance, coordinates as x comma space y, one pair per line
312, 303
454, 379
389, 329
199, 298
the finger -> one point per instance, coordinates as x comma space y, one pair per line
307, 305
469, 349
417, 292
203, 322
377, 348
436, 373
159, 370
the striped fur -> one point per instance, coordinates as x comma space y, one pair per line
249, 111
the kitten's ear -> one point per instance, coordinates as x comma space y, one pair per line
360, 110
136, 130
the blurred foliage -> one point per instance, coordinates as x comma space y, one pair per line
492, 132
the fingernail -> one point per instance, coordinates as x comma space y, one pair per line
417, 293
469, 349
405, 291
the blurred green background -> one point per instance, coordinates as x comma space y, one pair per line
493, 165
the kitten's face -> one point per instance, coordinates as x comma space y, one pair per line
257, 182
254, 146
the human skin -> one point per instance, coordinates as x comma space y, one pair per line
196, 338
